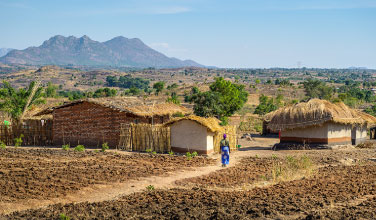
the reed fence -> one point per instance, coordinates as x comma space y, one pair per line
230, 131
35, 133
144, 137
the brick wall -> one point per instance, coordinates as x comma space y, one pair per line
91, 124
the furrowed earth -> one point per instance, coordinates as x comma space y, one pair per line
260, 184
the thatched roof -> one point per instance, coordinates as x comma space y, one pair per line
211, 123
35, 109
127, 104
316, 112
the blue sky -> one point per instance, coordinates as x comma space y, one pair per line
223, 33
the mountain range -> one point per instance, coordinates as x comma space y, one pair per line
119, 51
4, 51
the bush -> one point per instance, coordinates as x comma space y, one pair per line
64, 217
188, 155
194, 154
2, 145
18, 141
79, 148
171, 153
154, 152
150, 188
148, 150
66, 147
105, 147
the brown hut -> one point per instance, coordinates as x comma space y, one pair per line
320, 122
92, 122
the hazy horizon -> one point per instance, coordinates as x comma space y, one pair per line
236, 34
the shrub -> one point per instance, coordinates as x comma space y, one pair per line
258, 128
66, 147
18, 141
194, 154
171, 153
189, 155
150, 188
2, 145
154, 152
148, 150
79, 148
64, 217
105, 147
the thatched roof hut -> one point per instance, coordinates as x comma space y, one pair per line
316, 112
92, 122
194, 133
320, 122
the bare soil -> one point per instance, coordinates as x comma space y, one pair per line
312, 198
40, 174
343, 185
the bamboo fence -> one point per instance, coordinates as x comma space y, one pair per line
35, 133
143, 137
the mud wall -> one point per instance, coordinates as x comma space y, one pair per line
91, 124
308, 132
189, 135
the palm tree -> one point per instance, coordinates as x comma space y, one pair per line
16, 101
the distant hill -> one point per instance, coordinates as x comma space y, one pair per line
357, 68
4, 51
119, 51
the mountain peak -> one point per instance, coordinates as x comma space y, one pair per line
85, 37
119, 51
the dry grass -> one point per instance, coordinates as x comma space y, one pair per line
290, 168
368, 145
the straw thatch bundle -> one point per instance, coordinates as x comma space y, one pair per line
130, 105
316, 112
211, 123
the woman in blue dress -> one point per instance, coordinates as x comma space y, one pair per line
225, 150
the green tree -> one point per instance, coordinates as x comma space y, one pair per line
222, 100
15, 100
50, 91
173, 98
158, 86
317, 89
268, 104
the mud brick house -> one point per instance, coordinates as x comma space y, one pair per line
92, 122
193, 133
319, 122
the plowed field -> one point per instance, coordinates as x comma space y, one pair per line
342, 186
305, 198
45, 173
